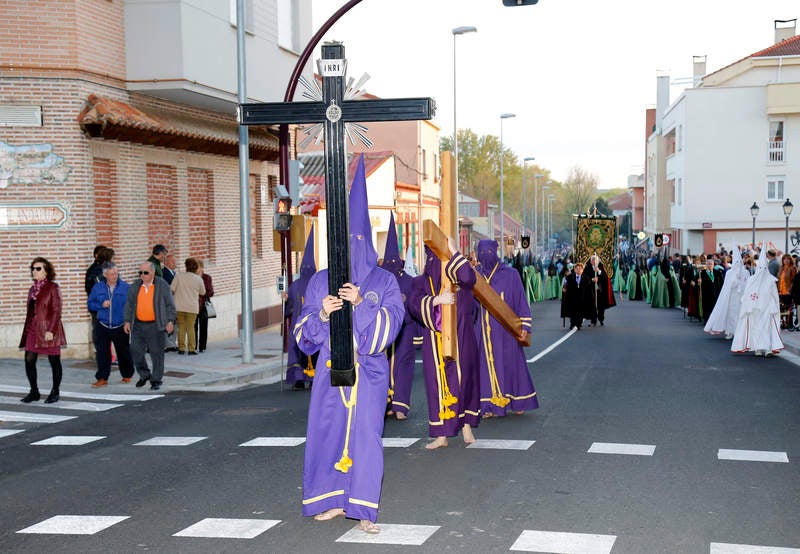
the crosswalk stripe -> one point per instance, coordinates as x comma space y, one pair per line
9, 432
501, 444
392, 533
170, 441
33, 418
222, 528
275, 441
398, 442
563, 543
93, 396
619, 448
68, 440
64, 405
752, 455
73, 525
726, 548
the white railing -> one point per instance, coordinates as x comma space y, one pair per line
776, 151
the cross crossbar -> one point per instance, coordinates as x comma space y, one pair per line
398, 109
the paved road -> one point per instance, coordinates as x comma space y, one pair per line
626, 455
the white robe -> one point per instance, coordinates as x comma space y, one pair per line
725, 316
758, 329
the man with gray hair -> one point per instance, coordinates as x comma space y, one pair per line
107, 298
149, 316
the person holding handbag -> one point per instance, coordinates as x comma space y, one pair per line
201, 323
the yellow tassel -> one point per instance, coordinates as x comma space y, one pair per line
344, 464
447, 414
500, 401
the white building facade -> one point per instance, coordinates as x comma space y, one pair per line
732, 140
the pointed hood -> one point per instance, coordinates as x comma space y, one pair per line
391, 255
736, 258
433, 269
487, 256
307, 265
363, 256
410, 268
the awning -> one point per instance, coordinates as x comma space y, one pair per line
107, 118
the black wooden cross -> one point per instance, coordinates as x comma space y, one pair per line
334, 112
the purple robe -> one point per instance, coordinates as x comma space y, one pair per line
460, 381
504, 376
401, 355
339, 435
299, 364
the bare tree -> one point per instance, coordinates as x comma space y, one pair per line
580, 189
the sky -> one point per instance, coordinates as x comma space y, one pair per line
577, 74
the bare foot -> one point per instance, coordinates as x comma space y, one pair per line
389, 413
487, 415
518, 412
437, 443
330, 514
400, 415
466, 431
368, 527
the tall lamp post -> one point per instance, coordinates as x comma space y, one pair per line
524, 191
787, 211
550, 198
457, 31
544, 218
754, 212
502, 208
536, 178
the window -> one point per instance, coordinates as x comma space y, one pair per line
672, 191
679, 191
288, 34
776, 144
775, 188
424, 164
248, 13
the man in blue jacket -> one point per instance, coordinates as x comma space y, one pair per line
107, 298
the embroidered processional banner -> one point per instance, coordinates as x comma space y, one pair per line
596, 234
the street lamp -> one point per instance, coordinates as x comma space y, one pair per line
457, 31
524, 191
544, 217
536, 178
502, 208
787, 211
550, 198
754, 212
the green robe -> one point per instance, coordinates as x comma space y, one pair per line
660, 293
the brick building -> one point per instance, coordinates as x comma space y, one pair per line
112, 132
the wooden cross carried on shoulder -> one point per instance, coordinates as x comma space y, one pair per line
436, 239
333, 112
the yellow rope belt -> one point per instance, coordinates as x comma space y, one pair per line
446, 398
345, 462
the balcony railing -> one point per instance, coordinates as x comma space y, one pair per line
777, 152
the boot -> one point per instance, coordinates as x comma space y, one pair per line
32, 396
52, 397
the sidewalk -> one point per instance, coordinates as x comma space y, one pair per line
219, 368
791, 340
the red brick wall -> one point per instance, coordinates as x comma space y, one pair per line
256, 219
201, 208
162, 192
86, 35
104, 173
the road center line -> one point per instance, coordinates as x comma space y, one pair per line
552, 346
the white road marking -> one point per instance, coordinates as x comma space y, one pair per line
620, 448
501, 444
91, 396
9, 432
170, 441
752, 455
221, 528
275, 441
725, 548
64, 405
73, 525
33, 418
391, 533
563, 543
67, 440
552, 346
398, 442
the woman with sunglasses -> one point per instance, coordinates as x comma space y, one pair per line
43, 332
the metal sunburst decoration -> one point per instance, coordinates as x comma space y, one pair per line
354, 131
